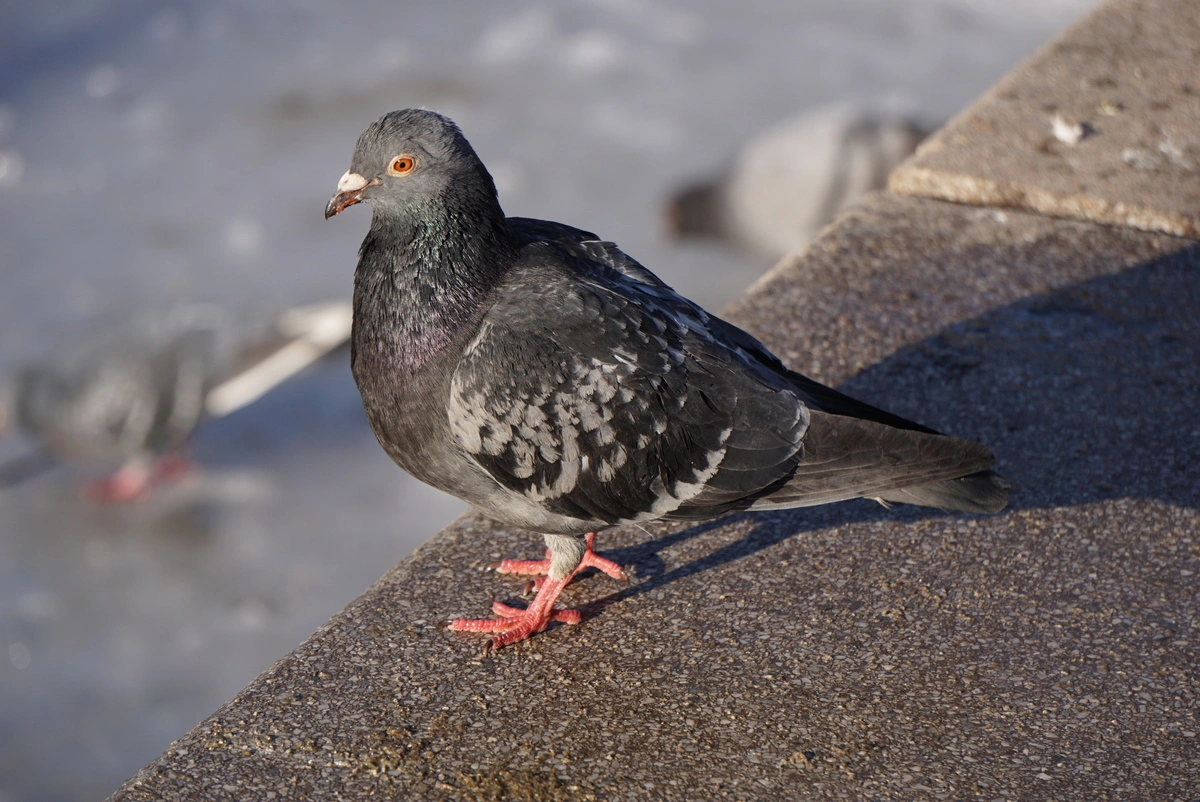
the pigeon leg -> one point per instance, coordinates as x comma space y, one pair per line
542, 567
138, 477
171, 467
131, 481
515, 624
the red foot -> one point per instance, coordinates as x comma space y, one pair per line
523, 567
515, 624
128, 483
540, 568
171, 468
134, 480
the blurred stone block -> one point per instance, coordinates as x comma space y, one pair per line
788, 182
1103, 124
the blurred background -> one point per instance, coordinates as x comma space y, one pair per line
154, 153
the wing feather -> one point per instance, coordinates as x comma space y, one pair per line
622, 410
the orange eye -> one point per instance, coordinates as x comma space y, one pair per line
402, 165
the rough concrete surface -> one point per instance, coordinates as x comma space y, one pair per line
841, 652
1126, 82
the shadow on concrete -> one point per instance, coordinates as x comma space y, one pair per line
1087, 393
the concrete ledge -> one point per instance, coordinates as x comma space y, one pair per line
839, 652
1129, 76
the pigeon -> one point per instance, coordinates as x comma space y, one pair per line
542, 375
792, 179
133, 396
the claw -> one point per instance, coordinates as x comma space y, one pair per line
514, 624
534, 567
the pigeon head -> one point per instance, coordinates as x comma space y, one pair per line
409, 159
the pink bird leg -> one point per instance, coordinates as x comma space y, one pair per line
135, 479
515, 624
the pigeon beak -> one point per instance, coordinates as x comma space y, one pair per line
350, 190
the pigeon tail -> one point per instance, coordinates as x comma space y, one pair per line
983, 492
846, 458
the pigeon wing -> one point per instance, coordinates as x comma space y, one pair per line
608, 405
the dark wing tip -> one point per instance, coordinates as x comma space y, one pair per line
981, 492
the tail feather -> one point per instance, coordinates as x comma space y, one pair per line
848, 457
985, 491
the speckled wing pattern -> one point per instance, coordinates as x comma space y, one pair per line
613, 401
107, 412
126, 395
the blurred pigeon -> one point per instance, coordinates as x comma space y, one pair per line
132, 397
787, 183
555, 384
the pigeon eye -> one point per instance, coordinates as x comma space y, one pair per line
402, 165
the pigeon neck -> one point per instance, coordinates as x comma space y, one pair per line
423, 279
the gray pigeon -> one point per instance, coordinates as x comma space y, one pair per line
132, 397
788, 182
555, 384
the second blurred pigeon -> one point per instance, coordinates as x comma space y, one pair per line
132, 398
794, 178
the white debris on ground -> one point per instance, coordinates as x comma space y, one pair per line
1067, 133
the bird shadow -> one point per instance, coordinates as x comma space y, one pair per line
1085, 393
768, 529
